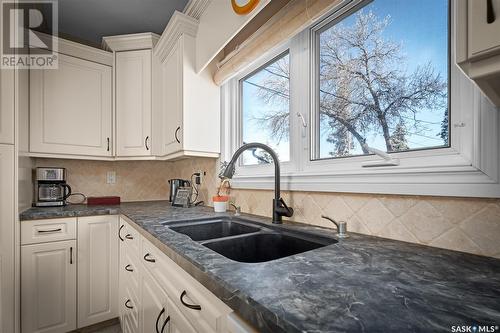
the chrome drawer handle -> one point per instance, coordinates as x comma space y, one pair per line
129, 236
191, 306
158, 319
128, 268
127, 305
50, 230
147, 258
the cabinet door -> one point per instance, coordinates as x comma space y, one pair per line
7, 106
7, 246
133, 103
70, 108
154, 310
178, 323
172, 102
98, 261
484, 36
48, 287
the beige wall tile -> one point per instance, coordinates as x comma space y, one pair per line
484, 228
456, 239
397, 230
375, 216
425, 222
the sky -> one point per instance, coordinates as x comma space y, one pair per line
421, 27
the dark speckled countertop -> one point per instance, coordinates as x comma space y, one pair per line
360, 284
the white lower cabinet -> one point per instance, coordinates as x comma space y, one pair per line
154, 309
48, 287
170, 299
69, 273
97, 269
76, 272
7, 238
178, 323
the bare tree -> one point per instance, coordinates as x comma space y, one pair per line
364, 87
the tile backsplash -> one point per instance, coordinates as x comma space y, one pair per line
462, 224
135, 180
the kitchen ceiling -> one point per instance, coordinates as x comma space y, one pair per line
88, 21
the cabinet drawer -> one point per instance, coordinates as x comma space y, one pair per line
41, 231
130, 268
200, 306
130, 239
131, 306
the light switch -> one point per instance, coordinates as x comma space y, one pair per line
111, 177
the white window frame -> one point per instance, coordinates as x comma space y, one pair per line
468, 168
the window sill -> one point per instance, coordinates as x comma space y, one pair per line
460, 181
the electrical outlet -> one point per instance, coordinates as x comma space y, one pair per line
111, 177
199, 179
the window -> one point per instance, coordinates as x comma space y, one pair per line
265, 107
373, 75
379, 82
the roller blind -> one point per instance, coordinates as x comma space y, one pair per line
296, 16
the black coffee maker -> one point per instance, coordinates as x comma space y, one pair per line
174, 185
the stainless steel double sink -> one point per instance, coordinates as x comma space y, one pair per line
243, 240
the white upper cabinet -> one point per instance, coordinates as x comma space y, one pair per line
484, 27
133, 103
172, 102
70, 108
135, 98
190, 107
478, 44
7, 106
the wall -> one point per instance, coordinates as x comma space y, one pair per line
135, 180
462, 224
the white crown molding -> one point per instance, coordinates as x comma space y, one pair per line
195, 8
78, 50
146, 40
178, 25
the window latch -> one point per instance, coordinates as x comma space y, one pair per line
387, 160
304, 124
